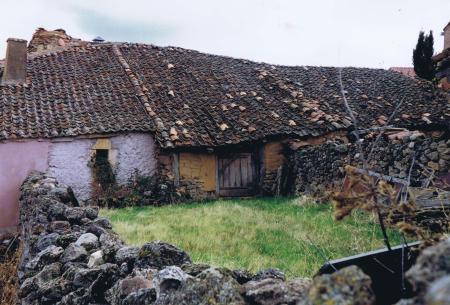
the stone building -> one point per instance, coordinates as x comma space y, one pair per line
213, 125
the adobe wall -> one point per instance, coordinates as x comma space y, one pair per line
17, 159
197, 174
273, 159
314, 168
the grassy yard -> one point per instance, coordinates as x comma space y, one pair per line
256, 233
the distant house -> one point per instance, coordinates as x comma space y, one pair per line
443, 60
407, 71
213, 125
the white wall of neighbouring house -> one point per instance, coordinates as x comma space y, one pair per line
17, 160
69, 163
133, 151
68, 160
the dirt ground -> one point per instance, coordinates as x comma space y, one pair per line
10, 250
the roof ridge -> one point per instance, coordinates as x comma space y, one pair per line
68, 48
140, 92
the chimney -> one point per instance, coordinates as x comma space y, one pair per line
15, 70
446, 34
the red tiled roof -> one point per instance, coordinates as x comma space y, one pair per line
188, 98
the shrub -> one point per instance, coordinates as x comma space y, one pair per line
140, 190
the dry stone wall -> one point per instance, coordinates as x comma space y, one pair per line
314, 168
73, 257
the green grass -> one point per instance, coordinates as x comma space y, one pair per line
252, 234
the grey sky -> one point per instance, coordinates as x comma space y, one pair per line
365, 33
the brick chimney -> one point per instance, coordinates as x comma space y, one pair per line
446, 34
15, 70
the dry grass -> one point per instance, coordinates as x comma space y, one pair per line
291, 234
9, 264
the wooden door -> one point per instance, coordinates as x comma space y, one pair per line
237, 175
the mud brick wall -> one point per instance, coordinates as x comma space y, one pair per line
273, 159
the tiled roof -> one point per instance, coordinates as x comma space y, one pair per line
73, 92
206, 100
188, 98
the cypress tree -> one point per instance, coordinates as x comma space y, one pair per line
423, 64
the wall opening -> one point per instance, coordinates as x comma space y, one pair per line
103, 171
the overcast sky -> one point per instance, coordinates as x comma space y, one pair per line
363, 33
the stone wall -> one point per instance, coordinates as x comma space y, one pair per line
314, 168
72, 257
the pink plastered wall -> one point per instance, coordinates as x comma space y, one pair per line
17, 159
67, 160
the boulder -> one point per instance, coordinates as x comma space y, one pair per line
74, 253
169, 279
75, 215
102, 222
242, 276
60, 226
273, 273
71, 269
439, 292
56, 211
116, 294
110, 243
67, 239
209, 287
78, 297
88, 240
271, 291
95, 259
126, 255
46, 256
348, 286
85, 277
46, 240
194, 269
145, 296
91, 212
432, 263
97, 230
43, 284
160, 254
107, 277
